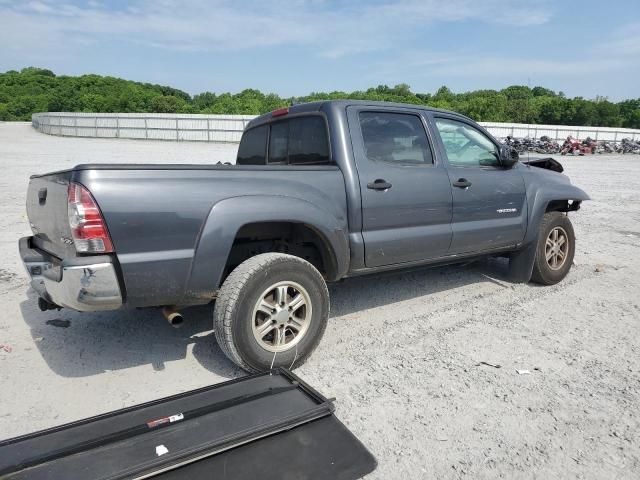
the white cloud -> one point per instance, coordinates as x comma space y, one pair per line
331, 30
38, 7
616, 51
624, 42
496, 66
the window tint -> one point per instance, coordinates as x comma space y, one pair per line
395, 137
308, 141
278, 142
253, 147
296, 141
466, 146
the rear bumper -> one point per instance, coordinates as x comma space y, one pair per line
85, 284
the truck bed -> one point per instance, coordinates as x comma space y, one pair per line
156, 215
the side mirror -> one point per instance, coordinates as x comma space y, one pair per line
508, 156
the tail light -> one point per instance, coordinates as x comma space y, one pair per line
88, 228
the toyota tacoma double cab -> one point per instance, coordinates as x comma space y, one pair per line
320, 192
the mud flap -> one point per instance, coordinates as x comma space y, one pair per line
521, 263
268, 426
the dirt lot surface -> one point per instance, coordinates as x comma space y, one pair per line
401, 352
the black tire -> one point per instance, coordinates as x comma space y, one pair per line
233, 313
543, 272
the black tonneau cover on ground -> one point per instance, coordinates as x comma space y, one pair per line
264, 426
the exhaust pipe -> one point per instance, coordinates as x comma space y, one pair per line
174, 317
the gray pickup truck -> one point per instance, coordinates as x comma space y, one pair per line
320, 192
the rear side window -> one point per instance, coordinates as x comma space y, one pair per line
253, 147
395, 138
292, 141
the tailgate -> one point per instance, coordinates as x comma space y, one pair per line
47, 211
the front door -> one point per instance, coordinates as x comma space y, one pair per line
406, 195
489, 201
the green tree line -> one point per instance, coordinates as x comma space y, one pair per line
40, 90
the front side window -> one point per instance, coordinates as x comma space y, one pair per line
395, 137
466, 146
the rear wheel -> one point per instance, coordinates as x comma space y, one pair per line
272, 310
555, 250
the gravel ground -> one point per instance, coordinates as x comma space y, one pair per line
401, 351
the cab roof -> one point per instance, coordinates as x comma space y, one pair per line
326, 105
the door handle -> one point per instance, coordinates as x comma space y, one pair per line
462, 183
379, 184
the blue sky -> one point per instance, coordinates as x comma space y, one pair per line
293, 47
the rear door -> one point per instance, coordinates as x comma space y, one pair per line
406, 195
489, 207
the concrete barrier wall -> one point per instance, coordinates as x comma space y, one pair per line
228, 128
176, 127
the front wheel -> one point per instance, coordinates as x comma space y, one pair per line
555, 250
271, 311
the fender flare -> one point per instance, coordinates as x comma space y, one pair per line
228, 216
521, 261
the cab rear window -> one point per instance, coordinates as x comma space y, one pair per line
293, 141
278, 142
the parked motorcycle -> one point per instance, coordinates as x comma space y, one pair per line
590, 144
606, 147
573, 145
547, 145
629, 146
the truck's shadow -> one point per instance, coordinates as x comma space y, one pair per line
93, 343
